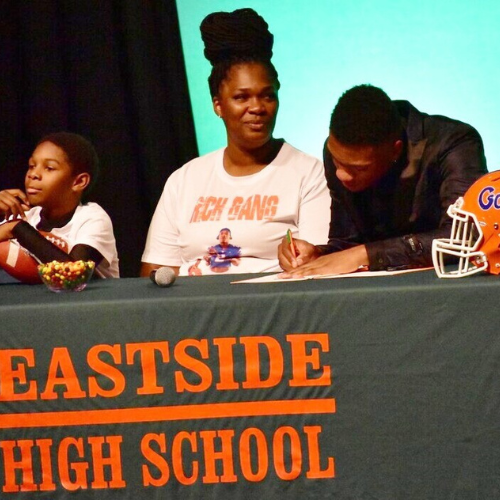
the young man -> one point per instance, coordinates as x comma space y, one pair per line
392, 172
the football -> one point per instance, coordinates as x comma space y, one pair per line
17, 261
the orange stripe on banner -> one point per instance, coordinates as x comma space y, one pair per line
165, 413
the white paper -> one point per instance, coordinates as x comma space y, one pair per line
274, 278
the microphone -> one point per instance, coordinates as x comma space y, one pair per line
163, 276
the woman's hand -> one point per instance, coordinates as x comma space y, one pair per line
146, 269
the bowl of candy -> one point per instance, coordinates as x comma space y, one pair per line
66, 276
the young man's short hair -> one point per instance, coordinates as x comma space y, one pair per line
365, 115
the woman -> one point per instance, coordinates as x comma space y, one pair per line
254, 189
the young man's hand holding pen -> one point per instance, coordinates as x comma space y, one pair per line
298, 258
293, 253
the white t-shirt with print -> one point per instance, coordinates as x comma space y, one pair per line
201, 198
90, 225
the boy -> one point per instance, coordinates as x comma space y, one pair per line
62, 170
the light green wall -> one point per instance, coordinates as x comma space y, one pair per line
441, 55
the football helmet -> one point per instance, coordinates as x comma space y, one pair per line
475, 232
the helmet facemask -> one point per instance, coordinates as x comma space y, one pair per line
466, 237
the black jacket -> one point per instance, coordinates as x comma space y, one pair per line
399, 217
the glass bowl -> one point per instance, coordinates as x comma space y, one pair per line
66, 276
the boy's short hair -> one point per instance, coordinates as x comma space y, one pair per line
81, 155
365, 115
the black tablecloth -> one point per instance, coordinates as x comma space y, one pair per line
383, 388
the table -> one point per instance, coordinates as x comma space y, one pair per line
384, 388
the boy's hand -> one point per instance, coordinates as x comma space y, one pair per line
14, 202
6, 230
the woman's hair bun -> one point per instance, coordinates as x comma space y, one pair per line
239, 34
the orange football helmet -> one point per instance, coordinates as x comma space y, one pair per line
475, 231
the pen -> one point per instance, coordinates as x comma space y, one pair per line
289, 238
